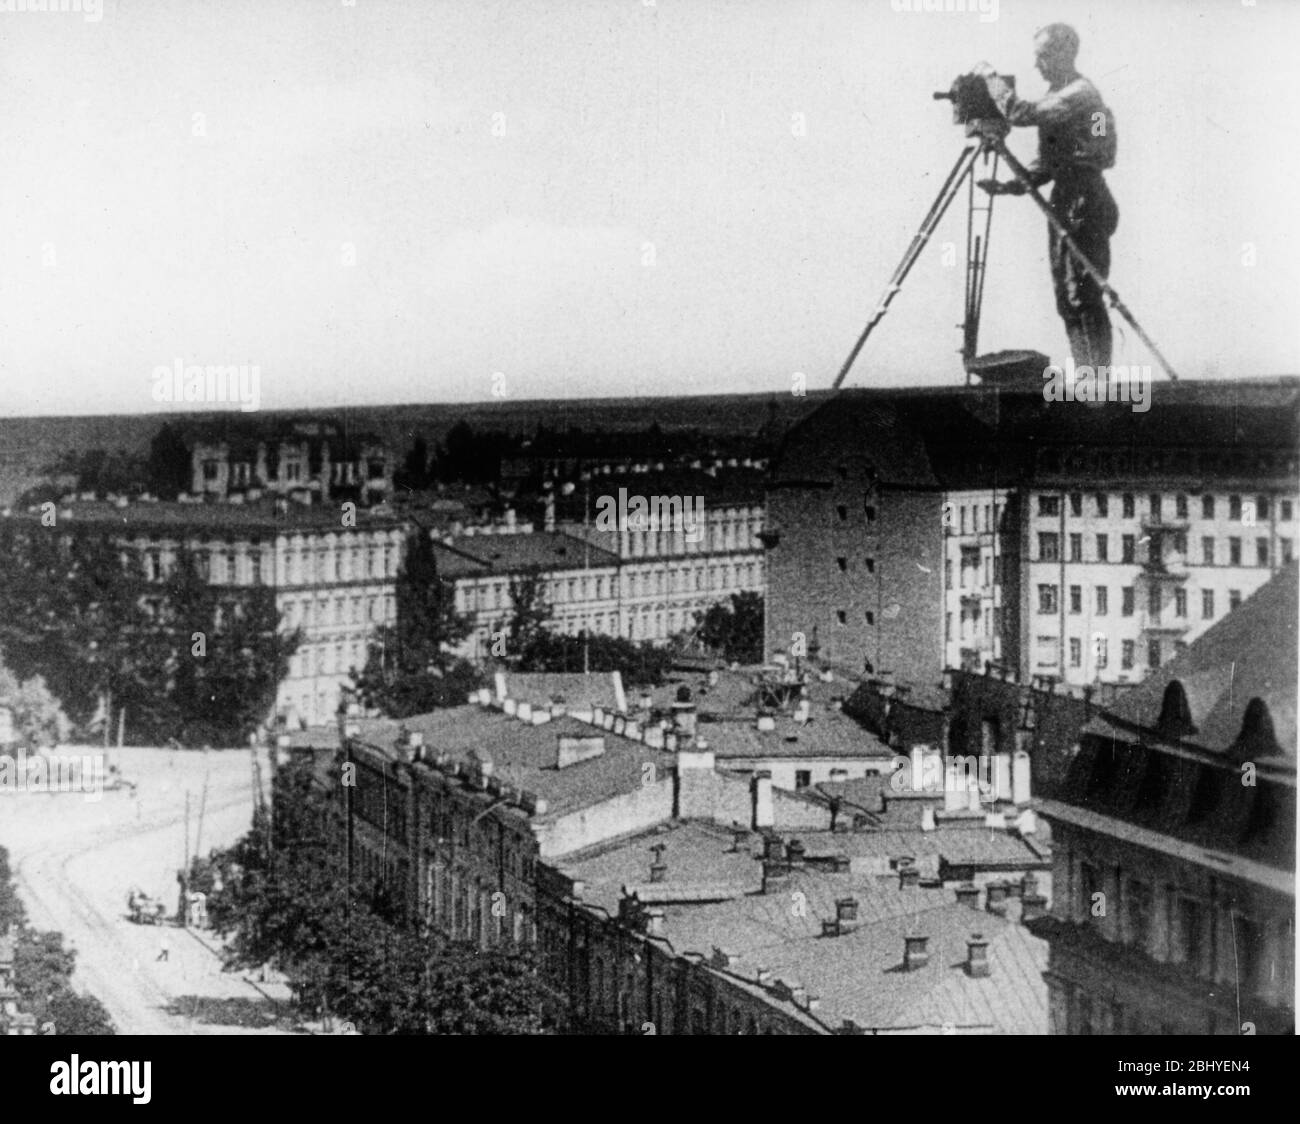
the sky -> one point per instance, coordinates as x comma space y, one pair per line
451, 201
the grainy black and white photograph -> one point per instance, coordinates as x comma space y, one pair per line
649, 518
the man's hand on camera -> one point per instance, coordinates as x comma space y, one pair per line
1011, 187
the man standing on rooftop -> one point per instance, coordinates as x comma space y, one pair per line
1076, 144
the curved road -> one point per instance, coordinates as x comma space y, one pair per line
75, 861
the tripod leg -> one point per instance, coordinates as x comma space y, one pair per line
1022, 175
938, 208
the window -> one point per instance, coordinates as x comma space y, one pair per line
1261, 552
1234, 552
842, 512
1234, 599
1207, 604
232, 568
1130, 508
1126, 653
1207, 550
1137, 903
1103, 548
1207, 507
1049, 505
842, 563
1285, 506
1126, 601
1153, 654
1285, 546
1180, 506
1103, 504
1047, 651
1180, 602
870, 564
1102, 601
1102, 653
1049, 546
870, 616
841, 616
1076, 652
1047, 599
1076, 548
1128, 544
1153, 501
257, 567
1153, 603
947, 573
1076, 599
1261, 507
802, 778
1189, 939
870, 512
1234, 507
1076, 504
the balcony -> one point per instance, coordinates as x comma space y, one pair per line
1157, 570
1162, 627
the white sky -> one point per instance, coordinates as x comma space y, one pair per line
127, 241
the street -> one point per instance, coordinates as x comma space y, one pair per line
75, 860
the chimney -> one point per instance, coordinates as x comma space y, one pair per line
996, 891
766, 723
654, 921
764, 807
915, 954
684, 712
773, 848
794, 854
909, 875
500, 681
1028, 884
524, 712
1033, 907
739, 839
927, 818
658, 868
977, 956
802, 711
846, 915
764, 977
968, 894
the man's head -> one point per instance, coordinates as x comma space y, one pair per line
1055, 48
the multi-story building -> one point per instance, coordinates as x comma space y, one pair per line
682, 557
913, 531
577, 581
1174, 838
309, 461
333, 577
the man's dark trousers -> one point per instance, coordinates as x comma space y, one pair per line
1086, 208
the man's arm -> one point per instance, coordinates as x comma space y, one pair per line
1022, 112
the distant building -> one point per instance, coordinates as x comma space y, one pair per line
333, 578
1175, 842
13, 1020
909, 531
306, 460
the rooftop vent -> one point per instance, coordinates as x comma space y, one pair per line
915, 953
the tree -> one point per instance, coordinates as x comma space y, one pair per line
638, 664
43, 970
529, 615
37, 715
167, 469
412, 668
284, 896
734, 630
415, 473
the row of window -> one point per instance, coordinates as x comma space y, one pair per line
1048, 652
323, 612
470, 598
336, 658
224, 567
717, 537
1244, 510
1049, 549
1049, 603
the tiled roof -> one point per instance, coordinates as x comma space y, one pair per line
960, 843
1250, 653
859, 976
824, 735
574, 689
215, 518
524, 755
469, 555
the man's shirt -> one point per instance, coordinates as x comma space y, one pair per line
1076, 132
